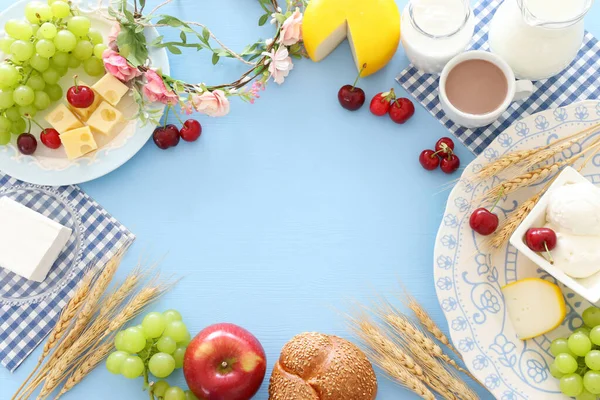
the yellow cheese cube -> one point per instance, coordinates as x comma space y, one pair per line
372, 28
62, 119
105, 118
78, 142
110, 88
84, 113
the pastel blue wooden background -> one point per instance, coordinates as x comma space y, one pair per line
285, 212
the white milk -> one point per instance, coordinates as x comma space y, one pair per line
555, 10
445, 33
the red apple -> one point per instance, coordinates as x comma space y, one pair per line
224, 362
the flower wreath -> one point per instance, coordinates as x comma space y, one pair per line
127, 58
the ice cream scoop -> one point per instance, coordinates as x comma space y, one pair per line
575, 209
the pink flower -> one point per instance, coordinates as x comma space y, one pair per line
155, 89
187, 108
115, 29
291, 30
280, 64
118, 66
213, 104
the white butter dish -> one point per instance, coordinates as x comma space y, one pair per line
589, 287
30, 243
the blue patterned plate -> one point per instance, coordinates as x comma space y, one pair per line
468, 277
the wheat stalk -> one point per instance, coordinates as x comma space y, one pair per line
401, 375
507, 228
501, 164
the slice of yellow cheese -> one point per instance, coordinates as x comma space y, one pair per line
78, 142
371, 26
62, 119
105, 118
111, 89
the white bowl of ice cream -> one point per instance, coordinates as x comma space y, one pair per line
571, 208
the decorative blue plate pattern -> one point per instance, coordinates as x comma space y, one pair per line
468, 277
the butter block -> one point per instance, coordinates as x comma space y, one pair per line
84, 113
30, 243
111, 89
78, 142
104, 119
62, 119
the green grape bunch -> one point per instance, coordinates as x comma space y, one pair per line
37, 52
155, 347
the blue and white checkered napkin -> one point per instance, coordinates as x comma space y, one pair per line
29, 310
580, 81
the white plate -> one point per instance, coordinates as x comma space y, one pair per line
468, 278
51, 167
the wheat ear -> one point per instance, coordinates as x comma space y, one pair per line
507, 228
501, 164
401, 375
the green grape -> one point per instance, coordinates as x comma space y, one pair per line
591, 316
60, 9
83, 50
51, 76
566, 363
5, 124
44, 12
65, 41
583, 329
42, 100
134, 340
592, 360
18, 126
4, 138
45, 48
30, 110
571, 385
595, 335
172, 315
35, 28
132, 367
9, 76
10, 27
176, 330
55, 92
79, 26
190, 396
48, 30
62, 71
154, 325
119, 339
18, 29
36, 82
166, 345
31, 11
22, 50
115, 360
161, 365
585, 395
13, 114
6, 99
5, 43
579, 344
39, 63
159, 388
61, 59
174, 393
95, 36
591, 382
99, 50
178, 355
559, 346
73, 62
23, 95
186, 341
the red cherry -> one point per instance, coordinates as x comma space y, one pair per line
80, 96
450, 164
166, 136
429, 160
483, 221
540, 239
444, 145
401, 110
351, 97
191, 130
50, 138
26, 143
380, 104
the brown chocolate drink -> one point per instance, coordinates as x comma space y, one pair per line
476, 86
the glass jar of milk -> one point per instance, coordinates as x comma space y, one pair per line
434, 31
538, 38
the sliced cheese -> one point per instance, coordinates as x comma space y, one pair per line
30, 243
111, 89
105, 119
534, 306
62, 119
78, 142
84, 113
371, 26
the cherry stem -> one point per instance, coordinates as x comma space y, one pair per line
178, 119
437, 152
76, 85
358, 77
30, 119
498, 199
167, 115
548, 253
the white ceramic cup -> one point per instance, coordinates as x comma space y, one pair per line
517, 90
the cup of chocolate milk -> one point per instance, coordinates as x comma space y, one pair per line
476, 87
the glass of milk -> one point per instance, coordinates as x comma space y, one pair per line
435, 31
